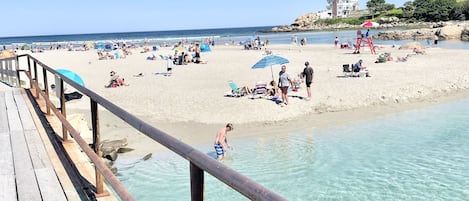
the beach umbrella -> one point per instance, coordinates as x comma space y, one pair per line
180, 49
71, 75
205, 48
369, 24
270, 60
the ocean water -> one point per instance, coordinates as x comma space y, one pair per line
220, 36
414, 155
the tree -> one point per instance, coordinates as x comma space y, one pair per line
434, 10
408, 9
375, 6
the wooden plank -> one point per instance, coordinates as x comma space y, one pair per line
37, 152
3, 113
7, 172
26, 182
7, 188
25, 114
14, 120
6, 157
48, 182
49, 185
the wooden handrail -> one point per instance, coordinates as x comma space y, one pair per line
199, 161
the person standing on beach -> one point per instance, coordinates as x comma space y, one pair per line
197, 51
359, 42
285, 82
336, 41
308, 74
221, 141
169, 65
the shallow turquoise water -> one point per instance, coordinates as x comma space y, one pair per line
415, 155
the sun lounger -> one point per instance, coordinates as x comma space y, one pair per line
235, 90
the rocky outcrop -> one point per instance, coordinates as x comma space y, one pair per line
389, 20
406, 34
306, 20
465, 34
447, 31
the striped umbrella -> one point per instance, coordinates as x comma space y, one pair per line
270, 60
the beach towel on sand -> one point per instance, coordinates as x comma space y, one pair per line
162, 73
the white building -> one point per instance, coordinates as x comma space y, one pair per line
339, 8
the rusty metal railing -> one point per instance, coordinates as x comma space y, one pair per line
199, 162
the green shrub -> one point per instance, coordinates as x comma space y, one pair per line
397, 12
352, 21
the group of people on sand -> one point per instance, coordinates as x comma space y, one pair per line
184, 58
285, 83
115, 81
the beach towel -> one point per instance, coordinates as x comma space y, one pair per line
162, 73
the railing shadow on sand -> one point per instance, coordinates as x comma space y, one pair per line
199, 161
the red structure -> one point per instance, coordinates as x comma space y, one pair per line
368, 41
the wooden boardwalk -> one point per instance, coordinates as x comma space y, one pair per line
26, 171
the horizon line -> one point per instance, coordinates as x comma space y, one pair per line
119, 32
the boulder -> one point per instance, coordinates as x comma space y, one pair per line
465, 34
412, 45
451, 32
110, 148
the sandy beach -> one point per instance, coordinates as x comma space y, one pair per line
191, 104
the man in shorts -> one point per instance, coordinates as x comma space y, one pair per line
221, 141
308, 74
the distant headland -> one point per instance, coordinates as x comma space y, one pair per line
448, 30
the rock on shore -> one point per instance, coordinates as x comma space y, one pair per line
453, 30
448, 31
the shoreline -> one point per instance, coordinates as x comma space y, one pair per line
193, 97
256, 129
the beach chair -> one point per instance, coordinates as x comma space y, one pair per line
235, 90
260, 88
346, 70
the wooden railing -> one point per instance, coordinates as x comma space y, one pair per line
199, 162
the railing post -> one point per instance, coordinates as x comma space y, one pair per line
96, 142
18, 80
2, 75
9, 65
63, 110
29, 70
197, 183
36, 80
46, 88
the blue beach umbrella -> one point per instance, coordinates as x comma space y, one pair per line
71, 75
270, 60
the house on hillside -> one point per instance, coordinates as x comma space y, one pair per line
339, 8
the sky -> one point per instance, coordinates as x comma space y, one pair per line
56, 17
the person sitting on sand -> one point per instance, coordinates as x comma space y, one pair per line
358, 67
419, 51
274, 90
115, 81
221, 141
197, 60
101, 56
